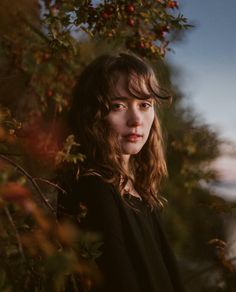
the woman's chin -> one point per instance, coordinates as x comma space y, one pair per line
131, 150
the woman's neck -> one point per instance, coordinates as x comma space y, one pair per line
125, 162
129, 187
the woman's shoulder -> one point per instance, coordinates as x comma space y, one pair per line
93, 180
90, 184
70, 180
90, 190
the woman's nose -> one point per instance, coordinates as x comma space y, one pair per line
134, 118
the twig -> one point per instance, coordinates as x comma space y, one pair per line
9, 217
49, 182
21, 169
34, 29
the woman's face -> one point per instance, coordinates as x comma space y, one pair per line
130, 118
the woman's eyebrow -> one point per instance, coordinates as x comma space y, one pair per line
126, 98
119, 98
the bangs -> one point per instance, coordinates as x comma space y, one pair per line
145, 87
139, 86
140, 81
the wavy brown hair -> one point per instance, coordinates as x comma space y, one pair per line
90, 105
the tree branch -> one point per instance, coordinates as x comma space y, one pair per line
34, 28
21, 169
49, 182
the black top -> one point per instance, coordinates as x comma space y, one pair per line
135, 255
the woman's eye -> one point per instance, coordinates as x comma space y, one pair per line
117, 106
146, 105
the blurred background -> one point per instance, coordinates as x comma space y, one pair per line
206, 58
44, 45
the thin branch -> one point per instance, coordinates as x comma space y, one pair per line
9, 217
49, 182
21, 169
34, 28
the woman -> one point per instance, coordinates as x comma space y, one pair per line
113, 117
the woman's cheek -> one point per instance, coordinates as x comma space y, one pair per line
115, 119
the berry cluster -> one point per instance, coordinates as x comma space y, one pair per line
144, 25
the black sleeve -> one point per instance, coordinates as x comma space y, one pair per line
103, 216
168, 255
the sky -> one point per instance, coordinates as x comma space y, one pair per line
207, 59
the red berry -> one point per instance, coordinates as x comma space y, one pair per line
130, 8
105, 15
131, 22
165, 28
49, 93
46, 56
141, 45
163, 33
172, 4
107, 12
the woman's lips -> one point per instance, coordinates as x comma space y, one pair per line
133, 137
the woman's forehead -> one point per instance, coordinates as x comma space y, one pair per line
129, 98
130, 86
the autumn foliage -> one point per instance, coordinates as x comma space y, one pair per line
44, 45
